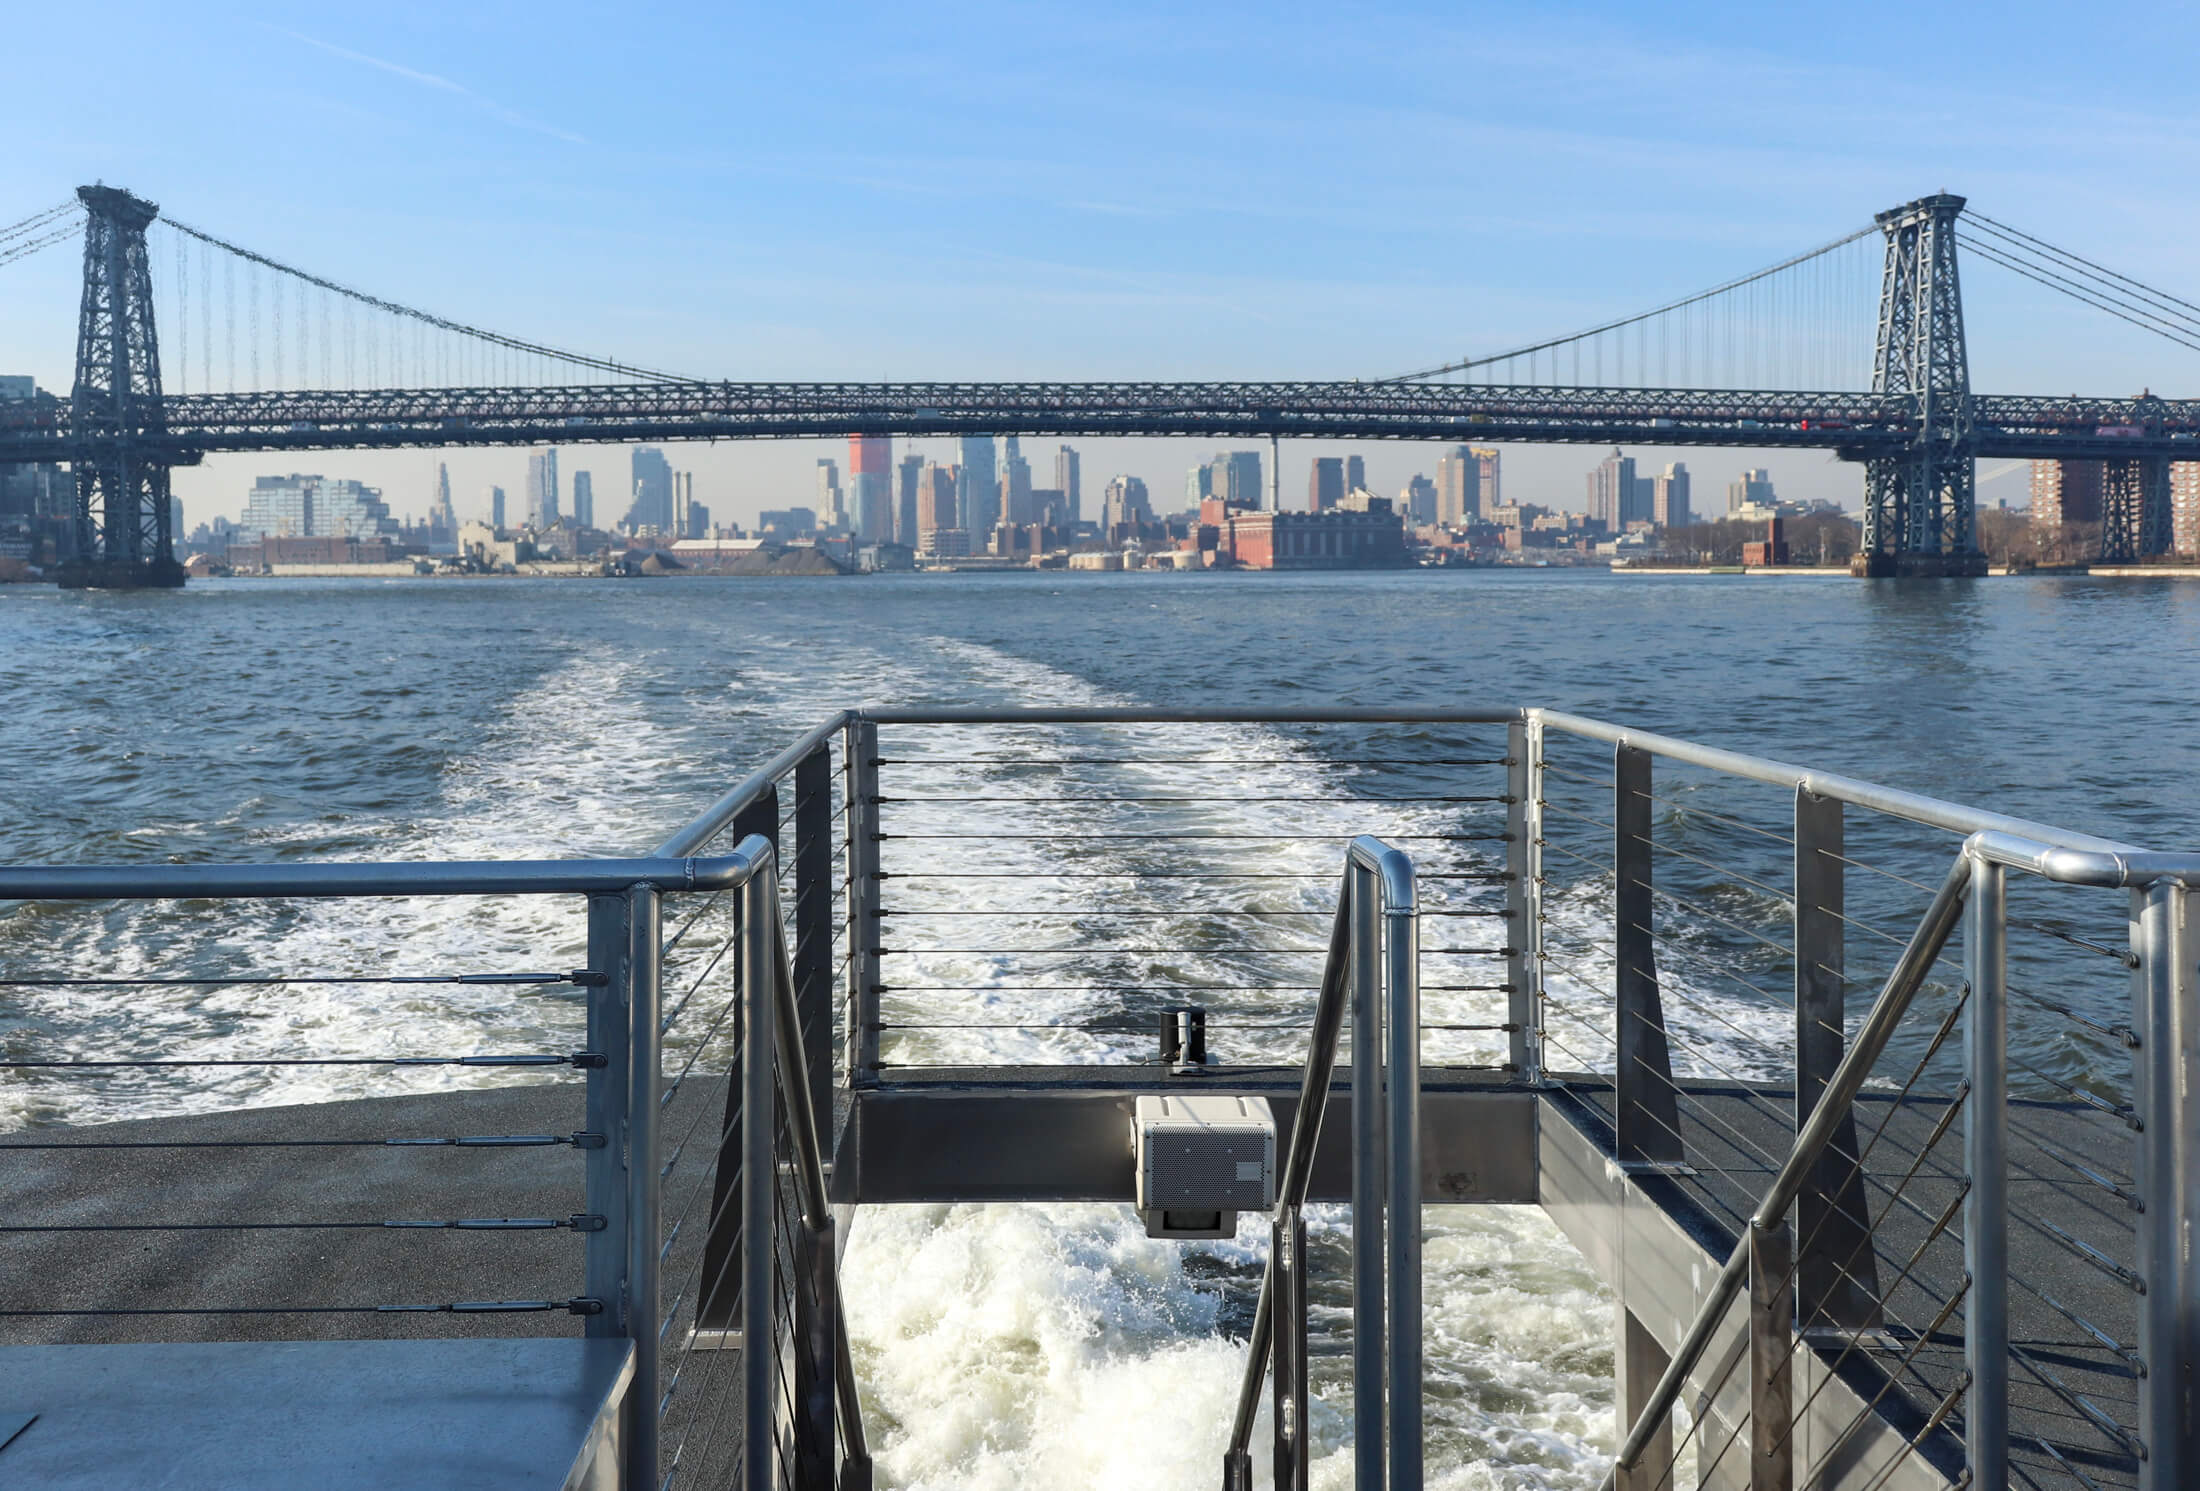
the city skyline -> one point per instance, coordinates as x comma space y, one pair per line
1322, 256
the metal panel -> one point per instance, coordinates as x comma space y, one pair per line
496, 1415
1058, 1143
1649, 1111
1837, 1277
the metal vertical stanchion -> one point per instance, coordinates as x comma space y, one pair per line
1837, 1278
2166, 1094
1771, 1355
759, 1186
1524, 896
1986, 1158
1402, 973
1369, 1173
606, 1164
813, 925
1646, 1116
1287, 1244
859, 774
644, 1193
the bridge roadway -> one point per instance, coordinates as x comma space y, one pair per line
1856, 425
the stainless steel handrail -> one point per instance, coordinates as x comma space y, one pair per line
366, 878
1367, 860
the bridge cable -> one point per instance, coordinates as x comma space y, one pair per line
40, 230
1468, 363
425, 318
2041, 246
2091, 294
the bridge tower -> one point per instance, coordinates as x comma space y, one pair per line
123, 510
1919, 505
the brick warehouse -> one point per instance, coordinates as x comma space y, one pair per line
1250, 539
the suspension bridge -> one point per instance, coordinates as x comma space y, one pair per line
1855, 347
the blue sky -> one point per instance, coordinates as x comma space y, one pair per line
1129, 191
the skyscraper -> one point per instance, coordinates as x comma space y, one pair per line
1066, 479
871, 488
832, 511
442, 518
1458, 488
494, 497
905, 505
1612, 491
1325, 484
542, 488
1199, 485
1670, 507
1237, 478
1355, 473
1753, 488
1125, 503
979, 496
939, 512
652, 485
1493, 498
1418, 499
1016, 485
584, 500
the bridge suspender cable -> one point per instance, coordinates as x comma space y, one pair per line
514, 344
1467, 363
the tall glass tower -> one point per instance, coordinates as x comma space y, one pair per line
979, 496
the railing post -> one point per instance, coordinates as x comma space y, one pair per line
1287, 1245
1771, 1353
1639, 1364
645, 1194
760, 1361
1369, 1173
813, 927
1402, 1121
1647, 1122
605, 1166
1986, 1159
1524, 895
813, 1365
859, 770
2166, 1094
1837, 1278
720, 1281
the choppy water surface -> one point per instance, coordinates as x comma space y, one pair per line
278, 720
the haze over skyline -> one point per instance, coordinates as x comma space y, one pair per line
1231, 193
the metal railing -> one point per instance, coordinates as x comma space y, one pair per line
1372, 973
1974, 1203
1962, 1237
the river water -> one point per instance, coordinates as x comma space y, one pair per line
255, 720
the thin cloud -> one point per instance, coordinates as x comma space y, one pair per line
440, 83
